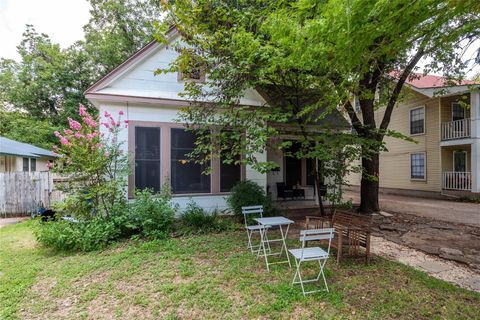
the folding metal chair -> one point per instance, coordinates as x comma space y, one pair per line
247, 214
312, 254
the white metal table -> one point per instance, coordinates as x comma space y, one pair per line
281, 222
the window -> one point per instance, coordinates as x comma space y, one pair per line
293, 165
33, 164
186, 176
25, 164
460, 161
147, 158
417, 166
458, 112
230, 174
417, 120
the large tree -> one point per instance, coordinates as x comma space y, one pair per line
316, 56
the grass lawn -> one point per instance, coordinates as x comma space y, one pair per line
209, 276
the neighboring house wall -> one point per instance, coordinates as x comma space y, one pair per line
13, 164
395, 164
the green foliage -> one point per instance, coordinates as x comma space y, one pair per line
195, 219
248, 193
24, 128
153, 214
90, 235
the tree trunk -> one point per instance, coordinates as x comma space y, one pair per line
369, 184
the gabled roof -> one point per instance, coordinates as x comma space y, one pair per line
14, 148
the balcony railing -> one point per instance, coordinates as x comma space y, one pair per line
457, 181
457, 129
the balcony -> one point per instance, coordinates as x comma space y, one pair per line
458, 129
457, 181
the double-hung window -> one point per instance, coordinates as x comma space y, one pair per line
417, 120
147, 158
230, 174
417, 166
186, 175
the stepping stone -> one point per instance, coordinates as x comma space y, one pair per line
434, 267
386, 214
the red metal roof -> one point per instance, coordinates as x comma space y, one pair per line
421, 81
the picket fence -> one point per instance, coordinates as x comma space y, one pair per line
22, 193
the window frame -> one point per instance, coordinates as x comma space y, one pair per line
165, 167
33, 164
424, 166
410, 120
160, 133
27, 166
457, 103
466, 160
171, 170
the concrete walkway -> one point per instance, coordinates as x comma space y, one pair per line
449, 211
6, 221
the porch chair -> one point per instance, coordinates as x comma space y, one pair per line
312, 254
248, 212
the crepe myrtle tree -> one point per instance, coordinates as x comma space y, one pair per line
312, 57
93, 163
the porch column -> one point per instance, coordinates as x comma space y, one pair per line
255, 176
475, 148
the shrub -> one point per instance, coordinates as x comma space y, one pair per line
152, 214
77, 236
248, 193
197, 220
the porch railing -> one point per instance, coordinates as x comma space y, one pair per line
457, 129
457, 181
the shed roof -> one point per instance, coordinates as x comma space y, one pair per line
15, 148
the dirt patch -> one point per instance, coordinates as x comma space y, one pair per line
436, 267
451, 241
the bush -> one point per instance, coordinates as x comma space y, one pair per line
248, 193
151, 214
89, 235
196, 220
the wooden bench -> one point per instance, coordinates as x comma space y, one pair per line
353, 230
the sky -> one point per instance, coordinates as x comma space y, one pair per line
62, 20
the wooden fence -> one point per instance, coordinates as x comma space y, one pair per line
21, 193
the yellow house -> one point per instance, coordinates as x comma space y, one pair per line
444, 120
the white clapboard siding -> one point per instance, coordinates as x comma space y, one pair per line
22, 193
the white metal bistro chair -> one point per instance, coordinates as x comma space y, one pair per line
248, 212
304, 254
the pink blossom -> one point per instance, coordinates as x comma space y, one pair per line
67, 131
120, 112
125, 121
90, 136
82, 111
49, 165
90, 122
106, 125
57, 134
107, 153
107, 115
78, 135
75, 125
64, 141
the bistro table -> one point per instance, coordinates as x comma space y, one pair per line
282, 223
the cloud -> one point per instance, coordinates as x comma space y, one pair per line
62, 20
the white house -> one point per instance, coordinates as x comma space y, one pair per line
158, 144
